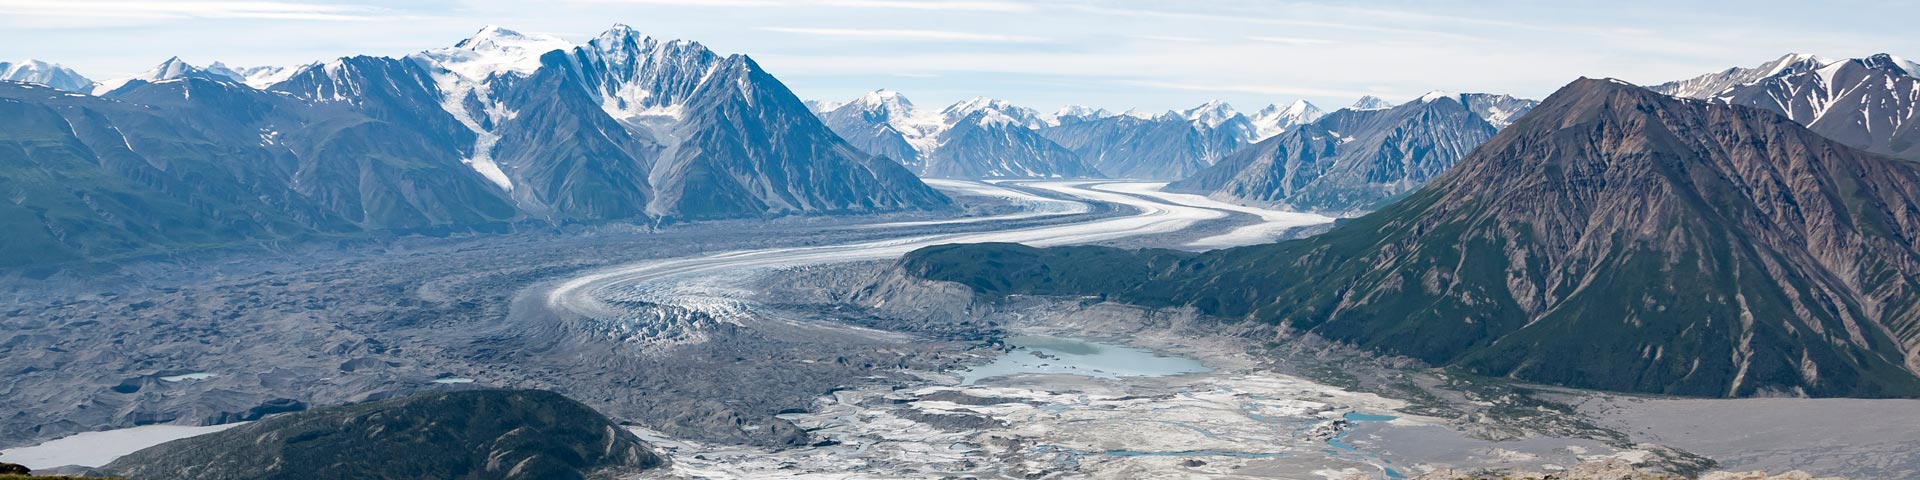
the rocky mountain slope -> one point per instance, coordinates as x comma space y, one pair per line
1871, 103
1353, 160
978, 138
481, 434
1614, 238
499, 130
1166, 147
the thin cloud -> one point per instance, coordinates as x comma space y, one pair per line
930, 5
1292, 40
905, 34
183, 10
1170, 38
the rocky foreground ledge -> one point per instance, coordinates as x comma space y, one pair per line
477, 434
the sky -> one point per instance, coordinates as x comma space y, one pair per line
1154, 55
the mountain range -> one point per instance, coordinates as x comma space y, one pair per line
1613, 238
499, 130
978, 138
953, 143
1872, 103
1357, 159
1168, 146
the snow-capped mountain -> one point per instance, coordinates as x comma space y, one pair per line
1709, 85
1274, 119
1499, 110
1871, 103
886, 123
172, 69
256, 77
630, 125
1211, 114
49, 74
1371, 102
1075, 113
1351, 160
496, 131
975, 138
996, 110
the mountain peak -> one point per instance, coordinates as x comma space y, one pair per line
618, 35
494, 50
1081, 111
1585, 87
489, 33
44, 73
1296, 108
883, 101
1434, 95
1889, 62
1211, 114
1371, 102
996, 110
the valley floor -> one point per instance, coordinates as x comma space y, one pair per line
790, 348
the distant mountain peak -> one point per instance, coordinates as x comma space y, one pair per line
1275, 119
884, 99
1435, 95
172, 69
994, 109
1294, 108
1883, 61
1136, 112
44, 73
620, 30
1081, 111
493, 34
1211, 114
495, 50
1371, 102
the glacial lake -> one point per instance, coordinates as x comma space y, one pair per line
1034, 354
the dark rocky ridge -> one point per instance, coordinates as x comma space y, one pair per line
1614, 238
479, 434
